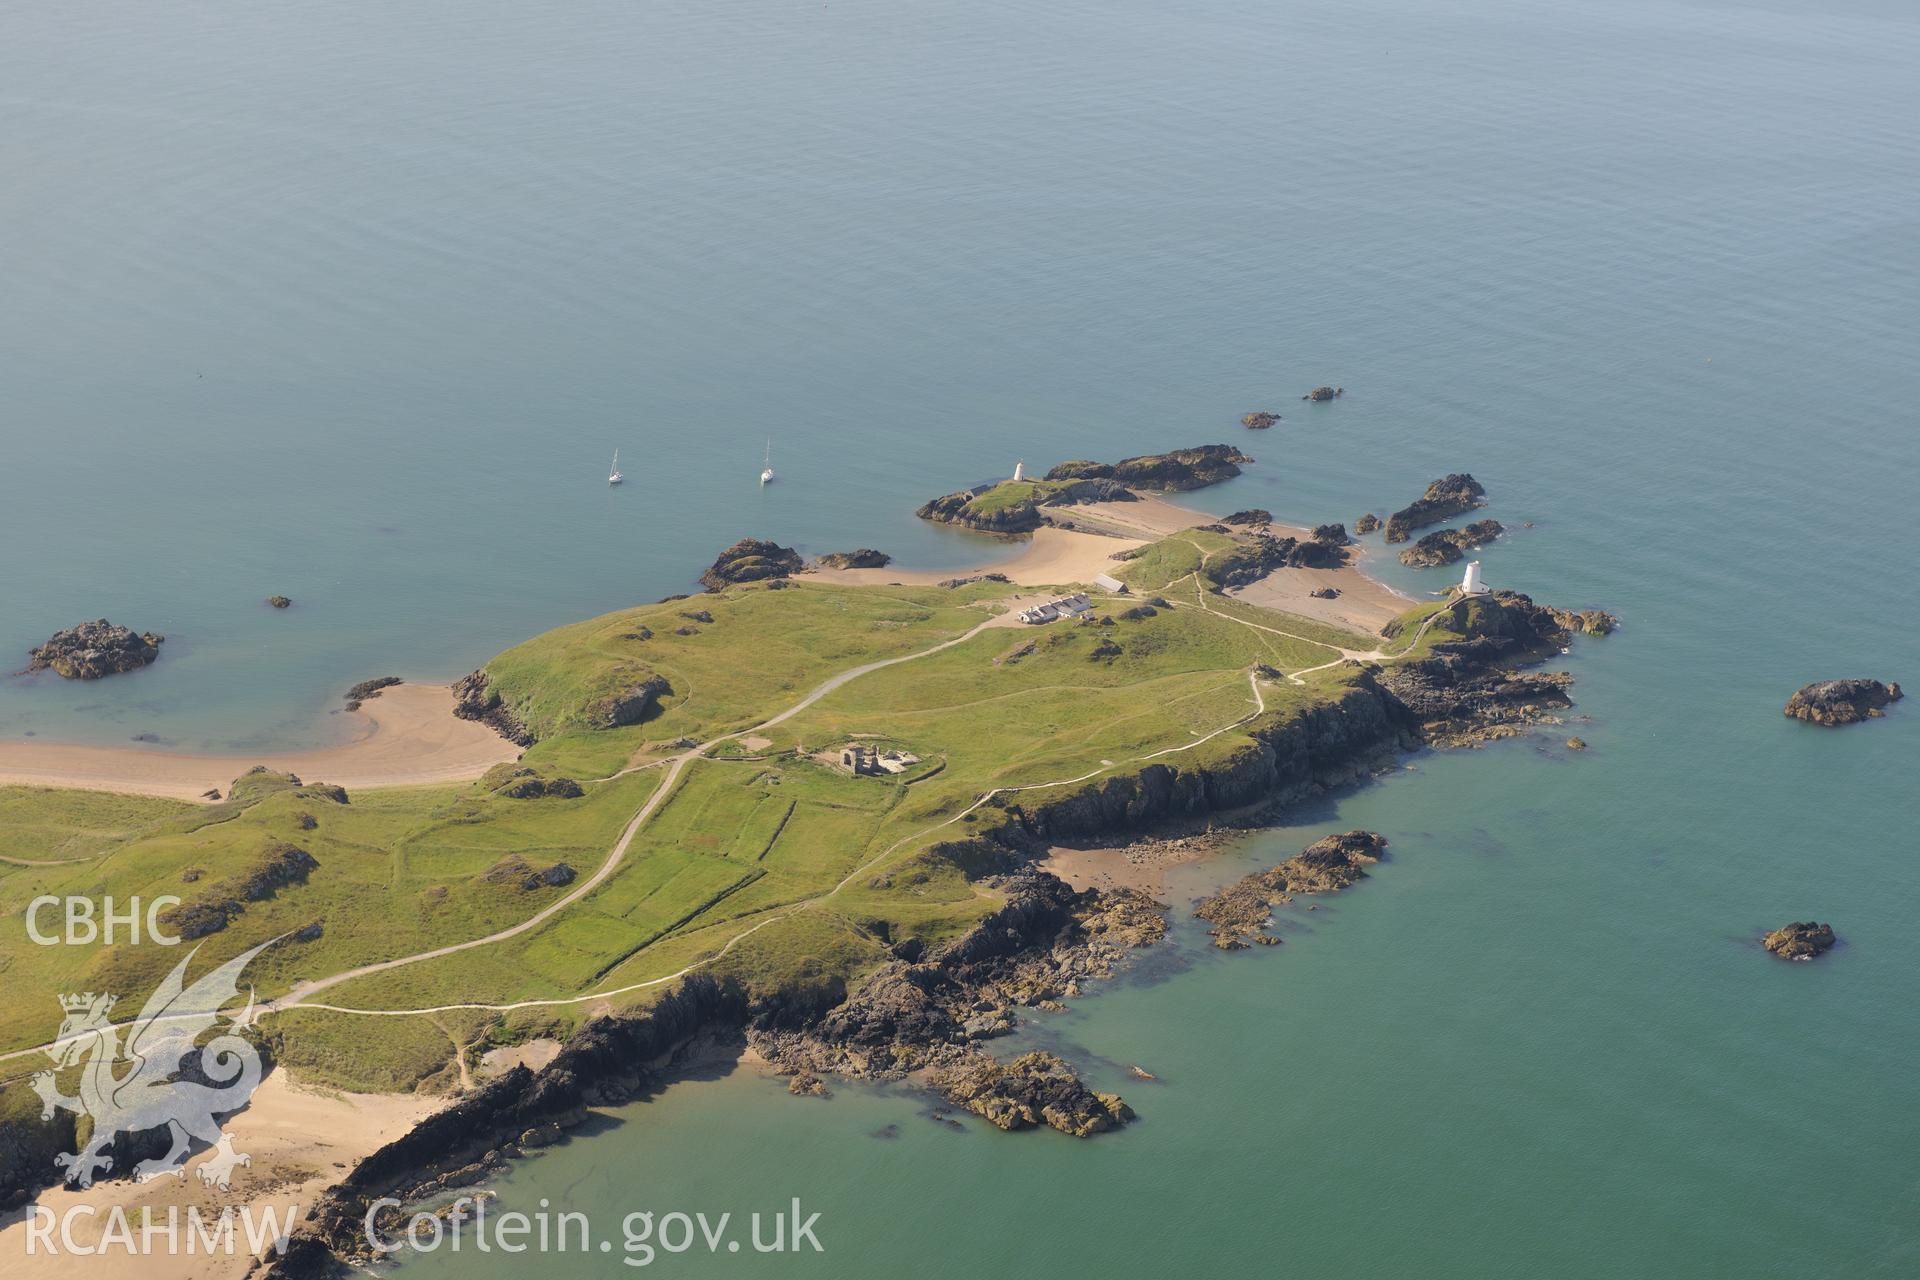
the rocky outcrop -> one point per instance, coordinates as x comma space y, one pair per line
1837, 702
1176, 471
1034, 1089
1259, 420
1448, 546
475, 699
94, 650
1019, 516
1366, 523
281, 865
1251, 516
1801, 940
279, 602
751, 560
1446, 497
864, 558
1254, 558
631, 704
1241, 912
517, 782
1325, 593
1324, 393
1334, 535
1468, 690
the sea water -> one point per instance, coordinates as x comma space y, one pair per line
354, 302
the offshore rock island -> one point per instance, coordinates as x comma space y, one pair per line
804, 813
95, 650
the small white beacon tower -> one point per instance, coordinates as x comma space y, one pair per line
1470, 584
1020, 470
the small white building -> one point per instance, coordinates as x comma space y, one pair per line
1073, 606
1107, 582
1470, 584
1020, 471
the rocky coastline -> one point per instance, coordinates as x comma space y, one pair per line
1014, 507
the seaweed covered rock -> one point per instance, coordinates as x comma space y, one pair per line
94, 650
1447, 546
1837, 702
1324, 393
369, 689
864, 558
1801, 940
280, 602
1241, 912
1334, 535
1251, 516
1448, 496
1259, 420
751, 560
1034, 1089
1366, 523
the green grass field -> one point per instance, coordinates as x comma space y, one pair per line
762, 862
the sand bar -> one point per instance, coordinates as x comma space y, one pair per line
407, 736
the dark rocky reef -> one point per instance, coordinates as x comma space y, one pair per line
473, 699
1334, 535
864, 558
1448, 546
1241, 912
1366, 523
1324, 393
1175, 471
1801, 940
1259, 420
751, 560
921, 1013
369, 689
279, 602
94, 650
1837, 702
1446, 497
1251, 516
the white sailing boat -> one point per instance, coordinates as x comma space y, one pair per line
614, 476
766, 476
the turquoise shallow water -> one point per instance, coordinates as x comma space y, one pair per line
353, 303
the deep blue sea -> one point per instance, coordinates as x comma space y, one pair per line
354, 302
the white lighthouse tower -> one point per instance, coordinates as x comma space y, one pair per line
1470, 584
1020, 471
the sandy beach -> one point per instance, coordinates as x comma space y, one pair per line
300, 1140
1050, 557
407, 736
